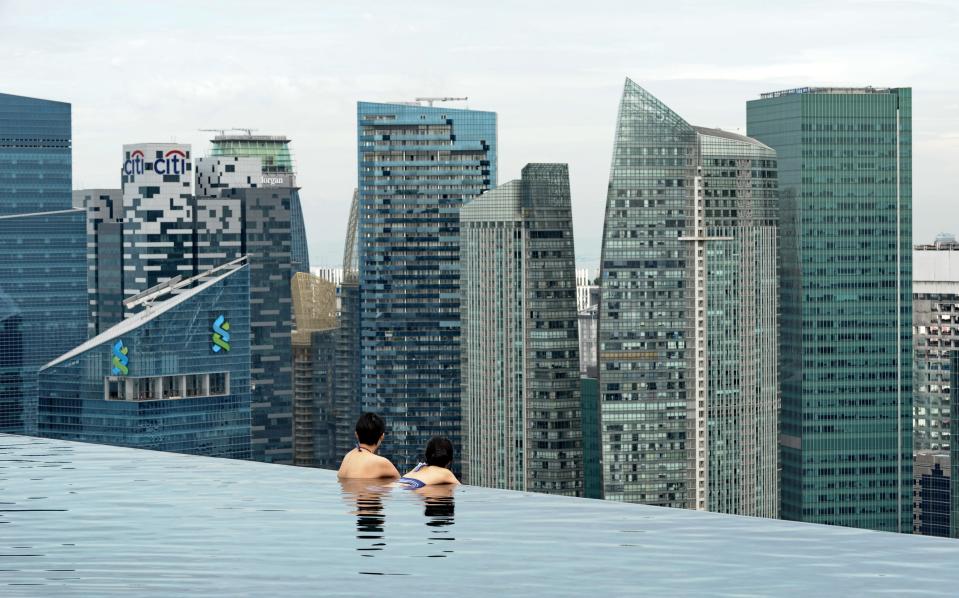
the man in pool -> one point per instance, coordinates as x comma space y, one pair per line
363, 462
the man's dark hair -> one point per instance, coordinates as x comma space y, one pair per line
369, 428
439, 452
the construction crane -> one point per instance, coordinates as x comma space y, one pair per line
222, 132
249, 132
430, 101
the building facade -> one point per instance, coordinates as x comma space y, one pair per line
265, 241
173, 377
346, 375
314, 344
687, 321
104, 211
35, 155
932, 494
43, 308
520, 366
277, 168
845, 171
935, 335
158, 215
417, 166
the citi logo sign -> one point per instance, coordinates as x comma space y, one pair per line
120, 359
221, 334
172, 162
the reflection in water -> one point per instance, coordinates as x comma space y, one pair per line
438, 508
370, 518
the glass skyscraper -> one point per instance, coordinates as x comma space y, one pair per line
417, 166
172, 377
104, 211
687, 325
845, 172
520, 368
35, 155
43, 310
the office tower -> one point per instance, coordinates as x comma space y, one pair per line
104, 212
417, 166
265, 241
346, 377
158, 212
586, 290
35, 155
687, 321
845, 164
520, 363
932, 501
588, 349
175, 376
277, 168
43, 309
314, 342
592, 451
935, 334
954, 446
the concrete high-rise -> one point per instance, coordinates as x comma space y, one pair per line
158, 213
845, 178
314, 344
935, 335
346, 376
417, 166
277, 168
43, 297
687, 326
520, 366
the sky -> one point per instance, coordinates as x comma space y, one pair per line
553, 71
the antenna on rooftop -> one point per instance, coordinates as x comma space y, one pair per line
430, 100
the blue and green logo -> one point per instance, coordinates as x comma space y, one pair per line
221, 334
120, 359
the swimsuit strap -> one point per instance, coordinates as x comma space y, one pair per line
418, 467
360, 448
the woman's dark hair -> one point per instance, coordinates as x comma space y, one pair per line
439, 452
369, 428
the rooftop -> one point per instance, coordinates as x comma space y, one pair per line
89, 520
828, 90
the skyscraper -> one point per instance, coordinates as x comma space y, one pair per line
314, 343
520, 368
158, 212
104, 212
935, 335
346, 377
265, 241
175, 376
687, 327
417, 166
43, 296
845, 164
277, 168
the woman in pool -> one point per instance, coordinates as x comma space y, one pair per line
439, 457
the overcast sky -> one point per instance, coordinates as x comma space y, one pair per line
145, 71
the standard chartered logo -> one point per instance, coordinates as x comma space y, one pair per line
221, 334
120, 359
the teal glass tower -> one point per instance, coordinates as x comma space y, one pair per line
417, 166
687, 322
845, 172
43, 296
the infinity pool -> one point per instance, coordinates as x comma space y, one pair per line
88, 520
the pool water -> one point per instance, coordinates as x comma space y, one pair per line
88, 520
